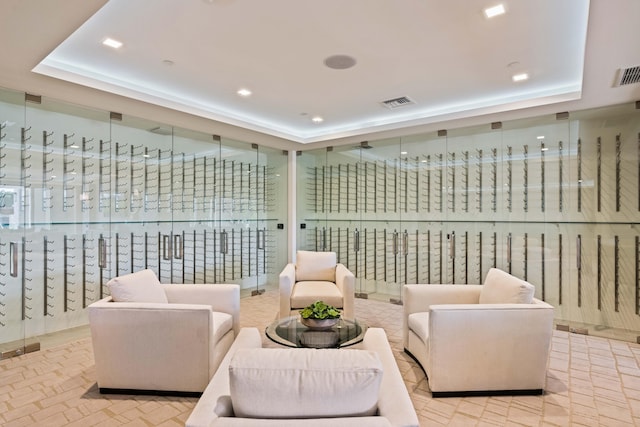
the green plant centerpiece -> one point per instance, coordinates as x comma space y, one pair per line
319, 315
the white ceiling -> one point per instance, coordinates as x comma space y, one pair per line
443, 54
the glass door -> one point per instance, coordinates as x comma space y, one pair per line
271, 247
13, 280
313, 199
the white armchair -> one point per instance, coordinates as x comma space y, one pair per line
161, 338
316, 276
479, 339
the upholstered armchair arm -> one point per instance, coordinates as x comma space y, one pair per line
346, 282
418, 298
489, 346
123, 332
287, 279
224, 298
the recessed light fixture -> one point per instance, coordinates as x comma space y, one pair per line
112, 43
403, 153
74, 146
317, 119
540, 137
496, 10
520, 77
544, 149
244, 92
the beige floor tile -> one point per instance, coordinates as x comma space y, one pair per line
591, 381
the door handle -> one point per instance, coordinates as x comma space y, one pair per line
13, 254
261, 239
166, 247
452, 245
509, 248
324, 239
102, 252
356, 240
579, 252
224, 243
177, 246
405, 243
395, 242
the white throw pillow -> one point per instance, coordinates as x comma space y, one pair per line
141, 286
501, 287
304, 383
315, 266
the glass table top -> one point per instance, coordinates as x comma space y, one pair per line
291, 333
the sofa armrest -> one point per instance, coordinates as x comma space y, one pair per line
126, 333
215, 401
508, 345
418, 298
394, 402
286, 279
346, 282
224, 298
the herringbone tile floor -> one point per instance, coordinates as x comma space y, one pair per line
591, 382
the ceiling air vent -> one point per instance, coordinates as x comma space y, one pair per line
629, 75
397, 102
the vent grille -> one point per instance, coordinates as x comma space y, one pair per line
397, 102
627, 76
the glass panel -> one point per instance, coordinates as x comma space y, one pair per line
271, 245
12, 219
313, 200
60, 164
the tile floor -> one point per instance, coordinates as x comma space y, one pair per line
591, 382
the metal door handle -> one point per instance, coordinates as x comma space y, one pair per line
405, 242
356, 240
261, 239
13, 254
324, 239
395, 243
177, 246
452, 245
166, 247
579, 252
224, 243
102, 252
509, 248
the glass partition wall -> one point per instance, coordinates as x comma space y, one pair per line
554, 200
88, 195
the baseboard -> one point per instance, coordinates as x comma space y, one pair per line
474, 393
106, 390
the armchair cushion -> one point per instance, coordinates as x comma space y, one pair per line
502, 288
141, 286
305, 383
306, 293
316, 266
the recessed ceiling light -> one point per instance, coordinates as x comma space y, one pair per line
244, 92
402, 153
317, 119
520, 77
490, 12
112, 43
544, 149
540, 137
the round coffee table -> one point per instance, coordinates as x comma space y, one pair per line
291, 333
